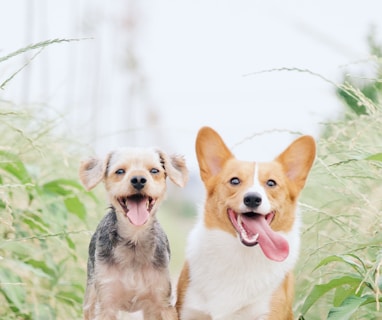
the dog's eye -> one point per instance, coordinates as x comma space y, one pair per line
154, 171
120, 171
234, 181
271, 183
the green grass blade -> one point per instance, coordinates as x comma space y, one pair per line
348, 307
39, 45
375, 157
345, 259
321, 289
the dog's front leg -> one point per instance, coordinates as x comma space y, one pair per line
105, 313
190, 314
169, 314
161, 313
105, 309
89, 302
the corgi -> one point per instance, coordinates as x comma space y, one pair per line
241, 252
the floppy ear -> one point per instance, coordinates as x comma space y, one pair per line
297, 159
92, 171
211, 152
175, 167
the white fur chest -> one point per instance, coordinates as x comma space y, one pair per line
239, 281
129, 289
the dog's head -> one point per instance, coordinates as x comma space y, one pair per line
135, 179
254, 201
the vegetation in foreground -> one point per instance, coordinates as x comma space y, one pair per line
46, 215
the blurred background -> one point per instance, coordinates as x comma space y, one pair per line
154, 72
80, 78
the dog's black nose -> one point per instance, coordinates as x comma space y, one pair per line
138, 182
252, 199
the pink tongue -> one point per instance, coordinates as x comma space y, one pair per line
274, 246
138, 213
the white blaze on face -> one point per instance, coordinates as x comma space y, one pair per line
265, 206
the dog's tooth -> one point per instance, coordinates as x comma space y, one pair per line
244, 232
241, 225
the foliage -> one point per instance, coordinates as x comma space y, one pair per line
362, 95
43, 221
44, 218
339, 275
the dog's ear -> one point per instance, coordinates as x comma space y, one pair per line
211, 152
175, 167
298, 159
92, 171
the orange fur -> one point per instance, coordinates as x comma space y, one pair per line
217, 167
282, 300
182, 285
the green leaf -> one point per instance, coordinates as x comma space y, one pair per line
349, 259
73, 297
67, 189
61, 187
375, 157
12, 289
43, 311
12, 165
70, 243
18, 249
342, 292
371, 298
42, 265
35, 222
26, 268
75, 206
321, 289
348, 307
351, 101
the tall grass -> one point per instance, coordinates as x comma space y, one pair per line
44, 220
36, 49
46, 215
43, 225
339, 275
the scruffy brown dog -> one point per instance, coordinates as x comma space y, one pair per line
129, 252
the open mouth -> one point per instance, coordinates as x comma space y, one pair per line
254, 228
242, 223
137, 208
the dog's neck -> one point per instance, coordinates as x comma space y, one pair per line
129, 233
148, 241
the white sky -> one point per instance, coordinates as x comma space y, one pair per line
192, 58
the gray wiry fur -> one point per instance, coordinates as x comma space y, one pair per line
106, 239
146, 257
128, 258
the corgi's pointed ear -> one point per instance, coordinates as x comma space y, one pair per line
92, 171
211, 152
297, 159
175, 167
